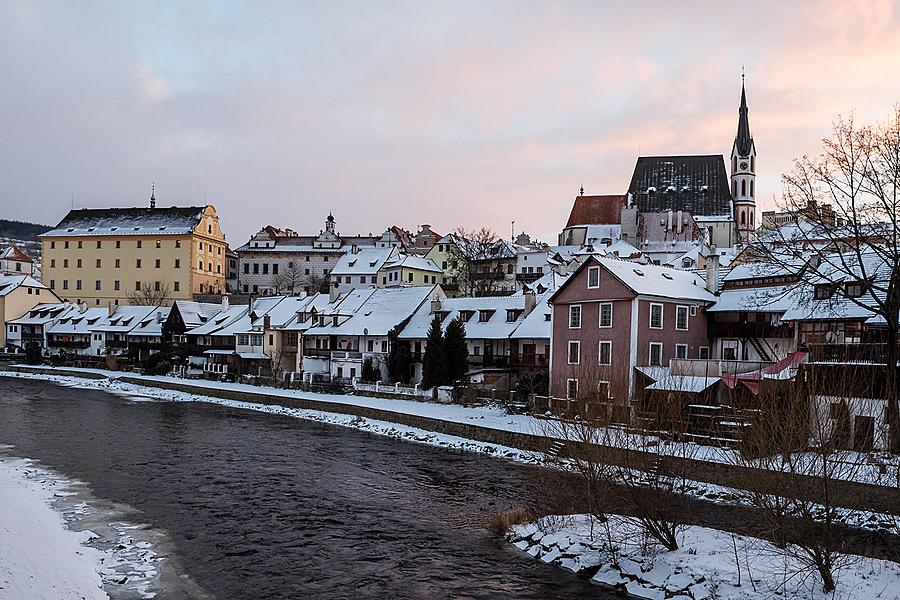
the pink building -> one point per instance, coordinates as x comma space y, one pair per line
612, 316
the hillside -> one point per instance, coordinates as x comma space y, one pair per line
19, 230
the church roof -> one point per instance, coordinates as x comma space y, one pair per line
743, 141
695, 184
597, 210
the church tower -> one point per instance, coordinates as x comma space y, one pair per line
743, 174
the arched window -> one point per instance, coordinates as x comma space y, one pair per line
743, 217
751, 188
743, 187
751, 218
733, 165
734, 188
753, 164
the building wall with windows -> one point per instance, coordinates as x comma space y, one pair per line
106, 257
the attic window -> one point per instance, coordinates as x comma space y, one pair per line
512, 314
90, 228
71, 229
163, 228
824, 291
667, 276
546, 316
484, 315
373, 263
638, 272
465, 315
113, 228
352, 262
136, 228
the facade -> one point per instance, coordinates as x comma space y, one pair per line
276, 261
612, 316
361, 268
98, 256
14, 261
410, 270
231, 271
18, 295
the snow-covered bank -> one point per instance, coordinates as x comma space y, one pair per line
709, 564
40, 559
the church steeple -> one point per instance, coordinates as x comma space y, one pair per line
743, 172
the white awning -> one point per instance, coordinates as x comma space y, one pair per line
253, 356
219, 352
683, 383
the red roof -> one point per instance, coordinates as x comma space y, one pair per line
597, 210
15, 253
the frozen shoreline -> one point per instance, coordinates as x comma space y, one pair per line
708, 564
40, 558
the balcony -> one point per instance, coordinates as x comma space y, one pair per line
317, 352
491, 275
56, 343
528, 360
346, 355
216, 368
116, 343
871, 353
757, 329
528, 277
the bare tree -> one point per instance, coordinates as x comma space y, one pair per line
288, 279
317, 284
844, 241
474, 260
155, 294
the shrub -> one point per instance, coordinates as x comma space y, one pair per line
33, 353
500, 524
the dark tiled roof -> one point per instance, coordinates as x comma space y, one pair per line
597, 210
695, 184
742, 140
124, 221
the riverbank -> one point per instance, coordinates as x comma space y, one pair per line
40, 559
708, 564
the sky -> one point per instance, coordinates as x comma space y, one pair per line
451, 113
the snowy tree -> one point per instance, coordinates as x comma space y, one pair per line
434, 363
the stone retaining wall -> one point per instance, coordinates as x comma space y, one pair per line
854, 495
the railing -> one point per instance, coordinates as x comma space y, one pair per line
346, 355
528, 360
69, 343
116, 343
854, 353
528, 277
316, 353
217, 368
488, 275
714, 367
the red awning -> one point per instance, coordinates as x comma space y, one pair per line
776, 370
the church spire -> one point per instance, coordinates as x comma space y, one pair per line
743, 140
153, 195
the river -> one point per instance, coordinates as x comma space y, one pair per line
267, 506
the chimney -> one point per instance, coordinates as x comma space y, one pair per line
530, 301
669, 220
333, 291
267, 322
159, 316
712, 271
225, 302
435, 305
110, 307
679, 224
354, 249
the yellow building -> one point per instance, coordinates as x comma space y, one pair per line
109, 255
410, 270
18, 295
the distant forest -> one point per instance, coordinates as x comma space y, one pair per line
21, 231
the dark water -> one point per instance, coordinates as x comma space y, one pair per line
264, 506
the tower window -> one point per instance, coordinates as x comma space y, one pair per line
734, 189
733, 165
743, 218
751, 188
743, 187
753, 164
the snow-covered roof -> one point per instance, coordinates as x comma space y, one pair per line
195, 314
16, 254
8, 283
536, 324
684, 383
128, 221
496, 326
281, 312
124, 319
768, 299
763, 269
151, 324
654, 280
597, 233
45, 313
226, 322
367, 261
382, 310
82, 322
411, 261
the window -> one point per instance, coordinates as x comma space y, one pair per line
274, 268
681, 318
603, 389
484, 316
703, 353
178, 286
139, 243
78, 284
693, 310
79, 245
98, 263
118, 263
855, 289
117, 285
158, 244
606, 314
681, 351
137, 286
362, 278
200, 266
178, 243
138, 263
265, 268
118, 243
571, 389
593, 277
66, 244
99, 244
79, 263
246, 268
65, 284
605, 353
52, 245
52, 262
158, 264
156, 286
52, 284
575, 316
255, 268
574, 352
209, 267
201, 245
656, 354
823, 291
410, 277
177, 263
65, 263
656, 316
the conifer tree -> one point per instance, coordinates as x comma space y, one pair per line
434, 363
399, 359
455, 351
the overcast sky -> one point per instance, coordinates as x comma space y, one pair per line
449, 113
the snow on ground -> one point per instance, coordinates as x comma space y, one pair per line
708, 564
40, 559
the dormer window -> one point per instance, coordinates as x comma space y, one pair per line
484, 315
855, 289
823, 291
512, 314
465, 315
